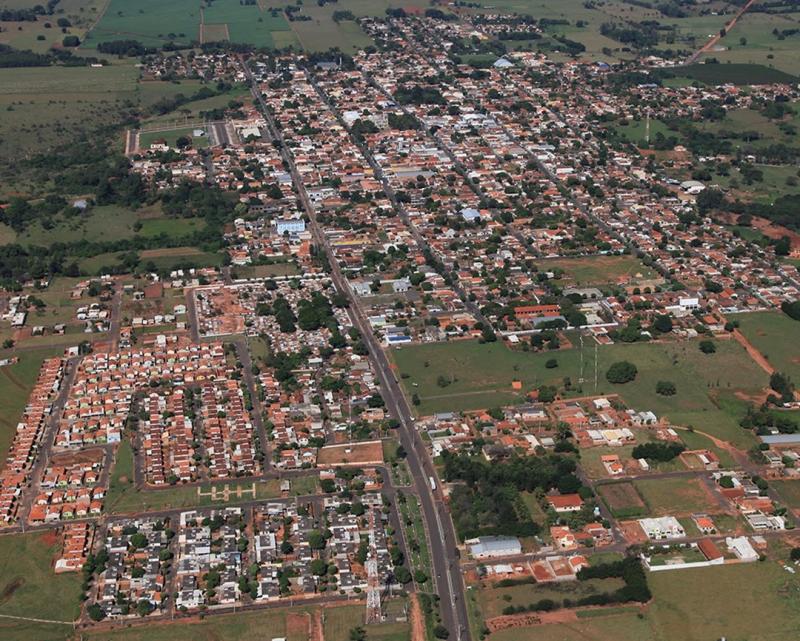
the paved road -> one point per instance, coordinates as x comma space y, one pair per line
449, 582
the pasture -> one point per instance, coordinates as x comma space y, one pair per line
480, 375
776, 336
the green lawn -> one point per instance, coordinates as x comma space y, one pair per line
171, 136
29, 588
482, 376
771, 333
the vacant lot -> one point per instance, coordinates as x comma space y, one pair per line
599, 270
675, 496
622, 499
170, 137
351, 454
340, 620
480, 375
770, 333
29, 588
244, 626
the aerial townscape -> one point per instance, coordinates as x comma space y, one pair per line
364, 320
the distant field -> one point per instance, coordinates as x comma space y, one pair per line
771, 333
153, 23
483, 374
734, 73
29, 588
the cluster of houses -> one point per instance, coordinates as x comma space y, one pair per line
25, 445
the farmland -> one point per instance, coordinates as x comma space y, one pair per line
481, 376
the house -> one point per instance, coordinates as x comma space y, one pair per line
565, 502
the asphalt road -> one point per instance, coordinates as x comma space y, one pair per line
442, 540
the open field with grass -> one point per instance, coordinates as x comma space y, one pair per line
790, 492
761, 46
622, 499
598, 270
482, 374
675, 496
492, 600
754, 601
36, 36
45, 107
339, 621
171, 136
243, 626
167, 258
734, 73
16, 383
29, 588
770, 333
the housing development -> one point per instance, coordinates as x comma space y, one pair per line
463, 322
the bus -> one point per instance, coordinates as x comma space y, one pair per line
433, 483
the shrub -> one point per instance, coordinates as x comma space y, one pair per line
666, 388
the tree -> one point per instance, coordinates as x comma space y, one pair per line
440, 632
663, 323
795, 554
666, 388
726, 482
95, 612
621, 372
70, 41
316, 540
708, 347
358, 634
402, 574
551, 364
420, 576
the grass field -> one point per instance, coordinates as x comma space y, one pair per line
244, 626
770, 333
622, 499
734, 73
16, 383
29, 588
339, 621
484, 373
754, 601
598, 270
674, 496
790, 492
171, 136
492, 600
153, 23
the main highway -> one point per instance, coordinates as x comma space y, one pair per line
441, 535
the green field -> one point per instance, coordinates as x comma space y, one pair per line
483, 374
29, 588
755, 601
734, 73
244, 626
598, 270
339, 621
675, 496
16, 383
770, 333
154, 23
170, 137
